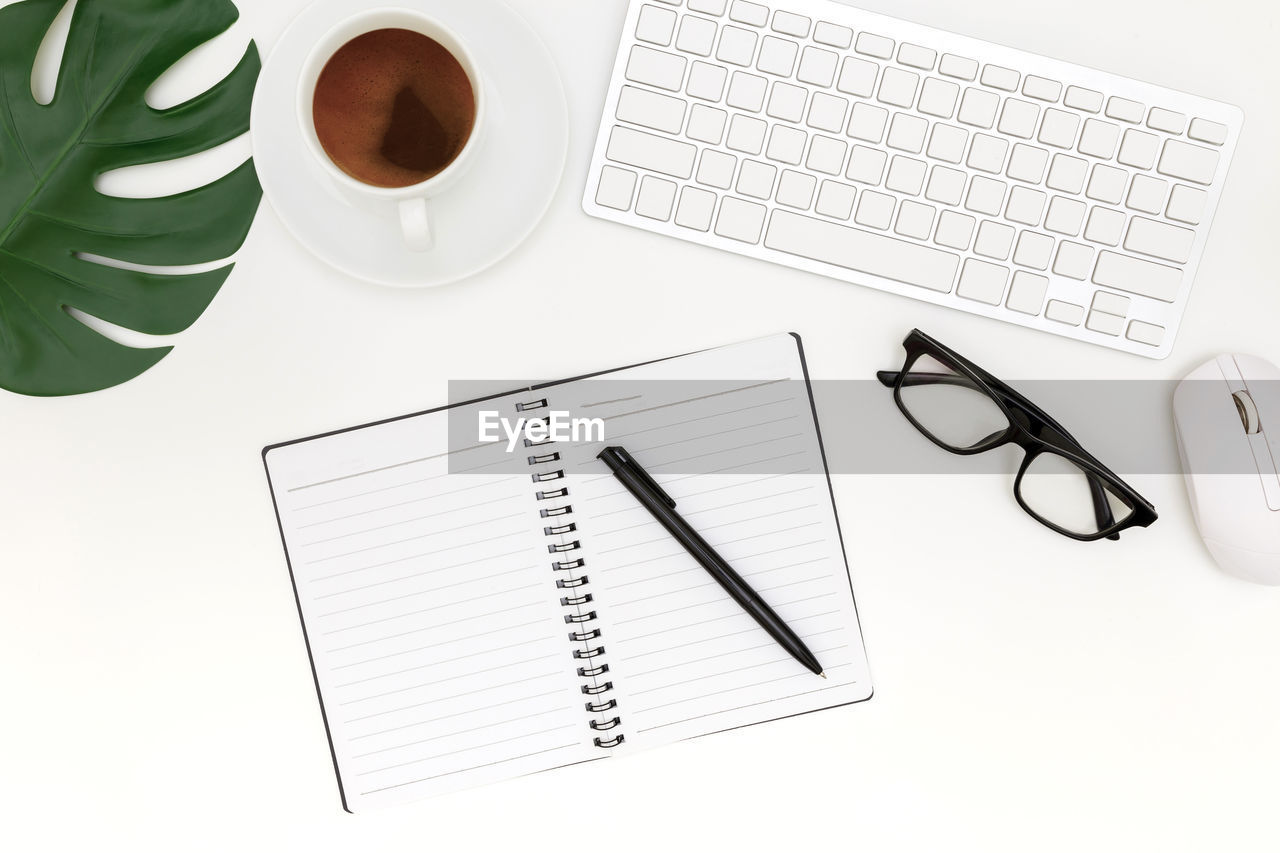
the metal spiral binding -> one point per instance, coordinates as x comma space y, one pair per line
587, 649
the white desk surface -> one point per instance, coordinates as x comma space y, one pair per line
1031, 693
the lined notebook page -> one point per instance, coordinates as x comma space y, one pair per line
742, 460
430, 611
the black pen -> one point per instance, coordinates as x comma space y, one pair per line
663, 508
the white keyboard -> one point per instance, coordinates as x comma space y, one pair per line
916, 161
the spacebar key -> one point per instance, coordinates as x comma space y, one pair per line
862, 251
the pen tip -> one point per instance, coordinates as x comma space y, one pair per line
822, 675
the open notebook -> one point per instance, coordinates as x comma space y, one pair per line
474, 614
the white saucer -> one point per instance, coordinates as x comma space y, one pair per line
477, 223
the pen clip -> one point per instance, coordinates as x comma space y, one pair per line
651, 484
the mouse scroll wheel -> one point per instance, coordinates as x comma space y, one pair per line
1248, 412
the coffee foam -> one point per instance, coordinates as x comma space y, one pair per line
393, 108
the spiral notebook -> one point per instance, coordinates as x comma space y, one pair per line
473, 613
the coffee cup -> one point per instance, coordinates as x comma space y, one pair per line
392, 109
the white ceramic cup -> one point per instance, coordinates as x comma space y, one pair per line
407, 204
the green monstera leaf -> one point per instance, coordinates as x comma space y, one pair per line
51, 215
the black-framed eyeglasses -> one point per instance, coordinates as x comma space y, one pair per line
964, 409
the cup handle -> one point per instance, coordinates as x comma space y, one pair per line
416, 225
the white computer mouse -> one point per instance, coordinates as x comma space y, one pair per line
1227, 415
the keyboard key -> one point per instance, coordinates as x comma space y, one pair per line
706, 81
1042, 88
1099, 139
655, 68
716, 168
898, 87
860, 251
874, 45
1138, 149
650, 109
866, 165
1123, 109
1026, 292
985, 196
1107, 184
655, 25
1207, 131
1147, 194
906, 175
616, 188
697, 35
1034, 250
1019, 118
817, 67
938, 97
858, 77
1064, 312
795, 189
833, 35
1166, 120
1111, 303
740, 220
1188, 162
756, 179
826, 112
746, 134
958, 67
656, 198
706, 124
1027, 163
987, 153
737, 46
955, 230
1107, 324
917, 57
995, 239
1067, 174
1059, 128
652, 153
710, 7
1083, 99
1065, 216
1105, 226
914, 220
748, 13
946, 186
948, 143
978, 108
875, 210
1073, 261
786, 145
906, 133
826, 155
835, 200
1000, 78
1160, 240
866, 122
791, 24
787, 102
1134, 275
1026, 206
1186, 204
747, 91
777, 56
982, 282
1145, 333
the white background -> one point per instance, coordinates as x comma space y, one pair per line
1032, 693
